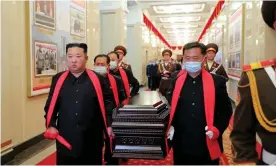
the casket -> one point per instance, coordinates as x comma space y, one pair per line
140, 127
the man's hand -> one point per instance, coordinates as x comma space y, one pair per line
171, 133
110, 132
212, 132
51, 133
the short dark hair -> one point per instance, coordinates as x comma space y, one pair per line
166, 50
79, 45
195, 45
269, 12
102, 56
113, 52
119, 47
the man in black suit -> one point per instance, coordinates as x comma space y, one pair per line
200, 111
113, 97
75, 111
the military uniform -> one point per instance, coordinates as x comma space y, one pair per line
255, 114
165, 81
125, 65
216, 68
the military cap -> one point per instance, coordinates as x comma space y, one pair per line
122, 48
212, 47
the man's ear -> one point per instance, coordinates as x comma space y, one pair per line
274, 25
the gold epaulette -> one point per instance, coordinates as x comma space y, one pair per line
258, 65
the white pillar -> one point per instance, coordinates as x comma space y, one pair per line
113, 24
135, 56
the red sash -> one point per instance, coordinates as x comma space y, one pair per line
126, 85
95, 81
114, 89
180, 72
209, 104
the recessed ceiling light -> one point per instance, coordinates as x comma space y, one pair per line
180, 26
180, 19
188, 8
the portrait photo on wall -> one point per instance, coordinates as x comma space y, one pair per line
45, 14
45, 59
233, 58
230, 61
238, 59
77, 22
238, 33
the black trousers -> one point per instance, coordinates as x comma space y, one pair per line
93, 157
108, 155
154, 83
149, 82
180, 158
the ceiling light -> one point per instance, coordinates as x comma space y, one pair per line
188, 8
182, 31
181, 26
180, 19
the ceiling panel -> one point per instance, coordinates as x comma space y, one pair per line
180, 21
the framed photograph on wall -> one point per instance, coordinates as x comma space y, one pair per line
47, 33
45, 59
77, 22
236, 40
45, 14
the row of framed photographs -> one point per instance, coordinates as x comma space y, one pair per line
45, 17
234, 61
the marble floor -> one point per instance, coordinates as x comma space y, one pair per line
34, 154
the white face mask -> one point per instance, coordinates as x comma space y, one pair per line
113, 65
102, 70
192, 67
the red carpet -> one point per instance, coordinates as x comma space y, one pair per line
51, 160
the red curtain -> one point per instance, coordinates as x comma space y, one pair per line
154, 30
214, 15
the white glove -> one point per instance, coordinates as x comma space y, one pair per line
210, 134
171, 133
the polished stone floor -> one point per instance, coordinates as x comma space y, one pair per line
34, 153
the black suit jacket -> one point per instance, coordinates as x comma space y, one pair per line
223, 107
77, 115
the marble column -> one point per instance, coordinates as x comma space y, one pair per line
113, 24
136, 57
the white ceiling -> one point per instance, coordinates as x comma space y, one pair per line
179, 21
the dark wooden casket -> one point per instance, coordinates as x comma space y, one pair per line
140, 127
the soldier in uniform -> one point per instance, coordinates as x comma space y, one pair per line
212, 66
165, 69
178, 62
256, 111
121, 50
